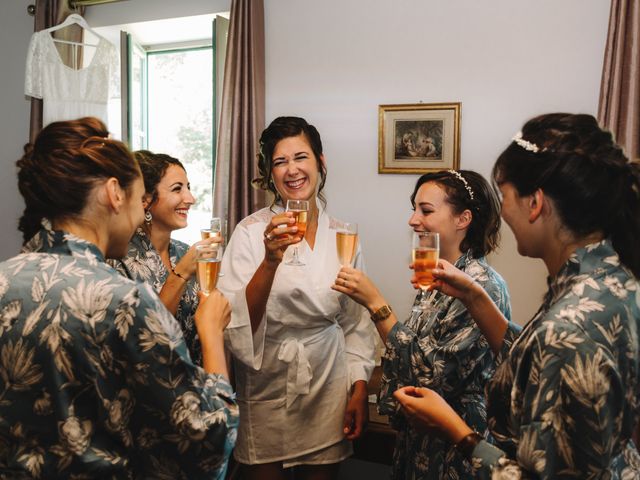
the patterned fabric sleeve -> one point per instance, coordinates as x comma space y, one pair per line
118, 265
572, 395
183, 420
513, 330
448, 357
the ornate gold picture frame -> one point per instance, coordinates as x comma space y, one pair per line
418, 138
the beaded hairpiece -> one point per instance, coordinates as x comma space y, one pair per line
459, 176
526, 144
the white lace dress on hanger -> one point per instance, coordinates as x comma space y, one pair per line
68, 93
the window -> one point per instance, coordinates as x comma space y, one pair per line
175, 69
179, 122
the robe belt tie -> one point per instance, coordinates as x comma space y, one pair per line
299, 370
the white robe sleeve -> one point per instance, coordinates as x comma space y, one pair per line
359, 335
239, 264
33, 72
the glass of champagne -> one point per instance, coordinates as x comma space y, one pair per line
214, 229
300, 209
208, 259
347, 243
426, 252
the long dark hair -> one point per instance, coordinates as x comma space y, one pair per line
578, 165
483, 234
279, 129
58, 171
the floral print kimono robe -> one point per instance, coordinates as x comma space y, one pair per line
294, 373
565, 399
143, 264
95, 377
441, 349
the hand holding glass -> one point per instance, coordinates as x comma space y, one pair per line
347, 243
426, 252
208, 258
300, 210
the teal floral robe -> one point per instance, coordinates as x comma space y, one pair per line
565, 400
443, 350
95, 377
143, 264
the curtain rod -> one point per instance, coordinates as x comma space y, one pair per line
88, 3
31, 9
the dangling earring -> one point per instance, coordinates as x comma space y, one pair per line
148, 217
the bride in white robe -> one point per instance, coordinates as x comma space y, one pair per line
302, 352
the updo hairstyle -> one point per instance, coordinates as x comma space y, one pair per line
578, 165
154, 166
279, 129
483, 234
57, 173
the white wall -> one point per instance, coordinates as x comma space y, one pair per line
16, 27
333, 62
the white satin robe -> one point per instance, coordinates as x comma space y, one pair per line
294, 374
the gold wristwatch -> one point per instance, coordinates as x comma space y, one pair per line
381, 314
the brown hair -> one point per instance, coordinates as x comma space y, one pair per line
579, 166
57, 173
153, 167
279, 129
483, 234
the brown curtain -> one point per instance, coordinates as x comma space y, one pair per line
619, 109
50, 13
241, 115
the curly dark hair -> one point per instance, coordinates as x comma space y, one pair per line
154, 166
281, 128
578, 165
483, 234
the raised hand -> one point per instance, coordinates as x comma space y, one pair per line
358, 286
281, 232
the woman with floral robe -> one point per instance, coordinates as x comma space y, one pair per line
95, 377
440, 347
564, 400
168, 265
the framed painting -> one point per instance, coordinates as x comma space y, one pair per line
418, 138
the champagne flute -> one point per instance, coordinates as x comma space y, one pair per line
214, 229
208, 258
300, 209
347, 243
426, 251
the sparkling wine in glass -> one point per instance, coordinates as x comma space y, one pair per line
300, 210
208, 258
426, 252
347, 243
213, 230
216, 227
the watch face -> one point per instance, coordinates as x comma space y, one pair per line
382, 313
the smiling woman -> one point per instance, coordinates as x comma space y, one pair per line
303, 353
153, 256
